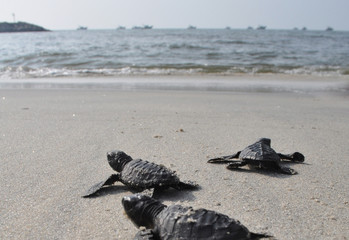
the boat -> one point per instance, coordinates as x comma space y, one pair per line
121, 28
144, 27
81, 28
261, 28
329, 29
190, 27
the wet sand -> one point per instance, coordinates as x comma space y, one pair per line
54, 141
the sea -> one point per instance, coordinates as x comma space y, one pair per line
105, 53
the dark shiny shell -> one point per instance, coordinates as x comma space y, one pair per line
178, 222
143, 174
259, 151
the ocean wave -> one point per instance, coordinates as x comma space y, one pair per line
28, 72
190, 47
232, 42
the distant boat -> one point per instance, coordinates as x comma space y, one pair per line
329, 29
81, 28
142, 27
250, 28
121, 28
261, 28
190, 27
304, 29
228, 28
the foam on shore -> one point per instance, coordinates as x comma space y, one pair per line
244, 83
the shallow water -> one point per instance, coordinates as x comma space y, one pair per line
157, 52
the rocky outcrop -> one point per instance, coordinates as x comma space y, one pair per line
20, 27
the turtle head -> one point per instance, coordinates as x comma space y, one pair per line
118, 159
142, 209
265, 141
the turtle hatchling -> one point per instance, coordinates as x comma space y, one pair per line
158, 221
139, 175
260, 155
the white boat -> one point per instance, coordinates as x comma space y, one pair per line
143, 27
82, 28
261, 28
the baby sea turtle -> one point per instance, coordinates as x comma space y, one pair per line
139, 175
158, 221
260, 155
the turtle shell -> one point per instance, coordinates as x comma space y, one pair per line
260, 151
143, 174
178, 222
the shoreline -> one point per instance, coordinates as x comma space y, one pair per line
236, 83
54, 143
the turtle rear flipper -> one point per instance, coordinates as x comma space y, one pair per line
147, 192
297, 157
294, 157
145, 234
95, 188
287, 170
236, 165
186, 185
256, 236
224, 159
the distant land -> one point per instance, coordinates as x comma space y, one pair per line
20, 27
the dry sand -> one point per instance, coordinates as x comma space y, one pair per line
53, 145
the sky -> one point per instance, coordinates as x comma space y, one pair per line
109, 14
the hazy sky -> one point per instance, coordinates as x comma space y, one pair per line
108, 14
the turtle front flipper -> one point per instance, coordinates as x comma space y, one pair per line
145, 234
95, 188
224, 159
294, 157
186, 185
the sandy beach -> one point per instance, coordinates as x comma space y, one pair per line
53, 145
